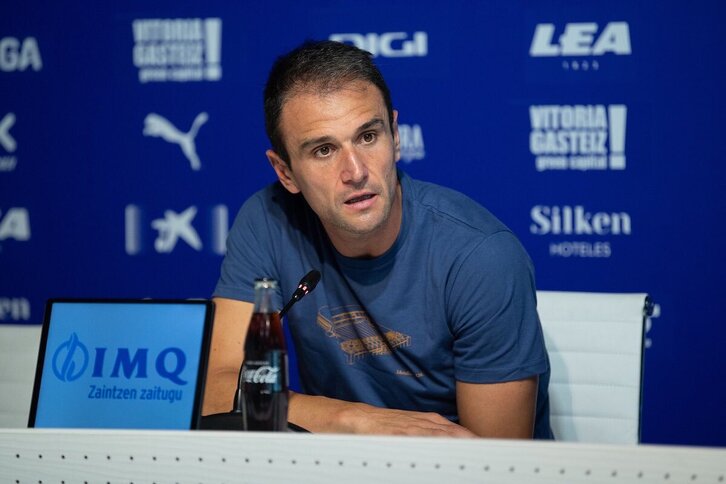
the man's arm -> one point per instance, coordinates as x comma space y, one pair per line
499, 410
231, 319
321, 414
315, 413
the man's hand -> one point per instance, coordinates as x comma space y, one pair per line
321, 414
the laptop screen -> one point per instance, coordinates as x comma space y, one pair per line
127, 364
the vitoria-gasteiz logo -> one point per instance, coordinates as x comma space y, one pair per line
72, 358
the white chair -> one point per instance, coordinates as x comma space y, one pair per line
18, 358
595, 345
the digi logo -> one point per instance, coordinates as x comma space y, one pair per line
389, 44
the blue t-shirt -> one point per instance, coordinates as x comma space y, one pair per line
452, 299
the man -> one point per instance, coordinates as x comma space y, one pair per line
424, 321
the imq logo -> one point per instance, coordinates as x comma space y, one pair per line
581, 39
15, 224
7, 143
567, 220
72, 359
178, 50
174, 227
389, 44
578, 137
19, 55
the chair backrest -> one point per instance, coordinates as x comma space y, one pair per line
18, 358
595, 345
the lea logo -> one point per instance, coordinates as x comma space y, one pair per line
19, 55
389, 44
15, 224
581, 39
72, 358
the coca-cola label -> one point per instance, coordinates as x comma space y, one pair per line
263, 374
270, 373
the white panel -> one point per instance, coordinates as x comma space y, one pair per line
18, 358
246, 457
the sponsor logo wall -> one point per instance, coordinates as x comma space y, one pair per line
590, 130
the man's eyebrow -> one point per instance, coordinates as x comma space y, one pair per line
373, 123
315, 141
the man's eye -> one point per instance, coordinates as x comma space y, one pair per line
369, 137
322, 151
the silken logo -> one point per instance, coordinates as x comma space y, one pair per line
174, 227
567, 220
19, 55
389, 44
159, 127
15, 224
72, 358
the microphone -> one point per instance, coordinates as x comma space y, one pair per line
307, 284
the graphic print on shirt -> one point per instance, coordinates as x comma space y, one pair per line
359, 336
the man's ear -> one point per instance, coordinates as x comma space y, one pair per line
396, 137
284, 172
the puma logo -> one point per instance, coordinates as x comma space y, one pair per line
160, 127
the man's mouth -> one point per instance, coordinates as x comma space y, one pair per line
360, 198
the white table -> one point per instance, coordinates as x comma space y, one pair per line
42, 456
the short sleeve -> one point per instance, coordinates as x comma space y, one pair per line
493, 314
250, 252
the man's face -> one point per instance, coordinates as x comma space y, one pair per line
342, 158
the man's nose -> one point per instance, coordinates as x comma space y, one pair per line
354, 169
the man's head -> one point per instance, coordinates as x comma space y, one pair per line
336, 142
320, 67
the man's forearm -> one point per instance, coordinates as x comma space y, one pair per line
219, 392
327, 415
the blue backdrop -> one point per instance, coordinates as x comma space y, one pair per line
131, 132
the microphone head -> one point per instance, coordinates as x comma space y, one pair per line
309, 281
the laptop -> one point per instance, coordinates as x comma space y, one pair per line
122, 364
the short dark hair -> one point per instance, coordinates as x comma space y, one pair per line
321, 65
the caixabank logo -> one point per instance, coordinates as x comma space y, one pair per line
120, 373
178, 49
580, 46
578, 137
578, 231
8, 145
163, 232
